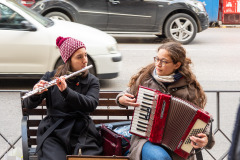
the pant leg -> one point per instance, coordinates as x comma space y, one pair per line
52, 149
154, 152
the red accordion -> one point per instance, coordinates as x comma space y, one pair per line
167, 120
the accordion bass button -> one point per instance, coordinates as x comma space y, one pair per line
206, 112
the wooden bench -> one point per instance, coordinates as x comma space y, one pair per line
106, 112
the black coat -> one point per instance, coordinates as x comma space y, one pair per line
67, 117
234, 152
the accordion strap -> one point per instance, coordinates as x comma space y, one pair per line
210, 134
199, 154
198, 151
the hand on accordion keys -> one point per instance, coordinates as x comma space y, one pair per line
199, 141
128, 100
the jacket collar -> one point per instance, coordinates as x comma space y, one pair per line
180, 83
84, 79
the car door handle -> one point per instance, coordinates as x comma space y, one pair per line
114, 1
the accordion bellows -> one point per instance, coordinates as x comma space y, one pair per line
167, 120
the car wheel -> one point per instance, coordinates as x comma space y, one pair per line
58, 15
181, 28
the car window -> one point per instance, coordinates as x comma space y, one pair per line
10, 19
42, 20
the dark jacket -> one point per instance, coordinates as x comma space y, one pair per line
68, 114
234, 152
179, 89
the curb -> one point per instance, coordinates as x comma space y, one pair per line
230, 26
219, 24
226, 26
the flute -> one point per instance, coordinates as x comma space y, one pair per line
54, 82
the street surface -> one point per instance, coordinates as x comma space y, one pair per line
215, 54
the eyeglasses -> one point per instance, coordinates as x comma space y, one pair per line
162, 62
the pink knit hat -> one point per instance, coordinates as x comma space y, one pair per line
68, 46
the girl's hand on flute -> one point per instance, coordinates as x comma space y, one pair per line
40, 85
61, 83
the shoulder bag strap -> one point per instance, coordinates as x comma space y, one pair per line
127, 148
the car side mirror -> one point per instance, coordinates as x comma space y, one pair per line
28, 26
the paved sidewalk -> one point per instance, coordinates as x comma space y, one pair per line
10, 121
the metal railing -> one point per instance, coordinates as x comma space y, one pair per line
11, 146
217, 130
217, 118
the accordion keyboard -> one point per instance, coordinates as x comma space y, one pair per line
142, 113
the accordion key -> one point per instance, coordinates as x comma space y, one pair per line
167, 120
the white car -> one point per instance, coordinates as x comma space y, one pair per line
28, 44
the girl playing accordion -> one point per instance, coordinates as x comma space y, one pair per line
170, 73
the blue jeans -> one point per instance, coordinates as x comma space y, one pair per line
154, 152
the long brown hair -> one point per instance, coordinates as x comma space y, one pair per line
138, 78
66, 68
63, 69
177, 54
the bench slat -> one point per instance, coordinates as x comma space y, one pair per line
32, 132
100, 112
43, 103
103, 102
112, 112
32, 141
100, 121
35, 111
108, 94
33, 123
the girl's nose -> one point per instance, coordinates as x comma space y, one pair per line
85, 60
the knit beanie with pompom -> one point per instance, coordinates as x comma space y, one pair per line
68, 46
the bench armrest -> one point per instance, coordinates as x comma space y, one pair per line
25, 138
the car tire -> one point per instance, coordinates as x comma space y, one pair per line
90, 62
58, 15
174, 28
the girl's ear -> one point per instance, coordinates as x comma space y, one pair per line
177, 65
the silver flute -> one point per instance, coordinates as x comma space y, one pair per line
54, 82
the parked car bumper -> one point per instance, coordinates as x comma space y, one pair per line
112, 69
203, 18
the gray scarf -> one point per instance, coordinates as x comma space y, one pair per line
168, 79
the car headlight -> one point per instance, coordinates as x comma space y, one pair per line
112, 48
197, 6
